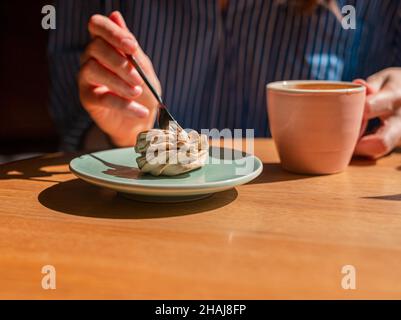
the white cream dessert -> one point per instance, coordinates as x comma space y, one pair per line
171, 152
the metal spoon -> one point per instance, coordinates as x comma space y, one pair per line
164, 117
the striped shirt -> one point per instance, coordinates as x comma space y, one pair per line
213, 67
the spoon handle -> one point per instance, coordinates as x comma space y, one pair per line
144, 78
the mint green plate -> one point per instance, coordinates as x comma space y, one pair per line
117, 169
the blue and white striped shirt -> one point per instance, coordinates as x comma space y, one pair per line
213, 67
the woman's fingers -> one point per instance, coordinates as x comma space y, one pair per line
105, 54
387, 137
109, 100
384, 102
110, 88
117, 18
119, 38
114, 31
96, 99
94, 74
387, 97
143, 60
377, 80
370, 89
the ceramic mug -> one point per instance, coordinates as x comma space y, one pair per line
315, 124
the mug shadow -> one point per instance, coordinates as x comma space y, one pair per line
365, 161
273, 172
360, 161
79, 198
393, 197
398, 150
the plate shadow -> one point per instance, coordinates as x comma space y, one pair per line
77, 197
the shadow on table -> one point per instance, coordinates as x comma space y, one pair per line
359, 161
398, 150
36, 170
364, 161
393, 197
79, 198
273, 172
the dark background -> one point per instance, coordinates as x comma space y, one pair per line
25, 124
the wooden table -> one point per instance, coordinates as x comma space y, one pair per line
281, 236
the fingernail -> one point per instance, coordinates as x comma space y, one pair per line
139, 110
371, 102
132, 92
129, 45
370, 106
360, 81
137, 90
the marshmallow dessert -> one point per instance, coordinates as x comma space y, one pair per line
171, 152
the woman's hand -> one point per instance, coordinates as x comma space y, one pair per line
383, 101
111, 90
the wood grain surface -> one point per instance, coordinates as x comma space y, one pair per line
280, 236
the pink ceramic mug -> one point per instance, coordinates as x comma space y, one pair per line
315, 124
